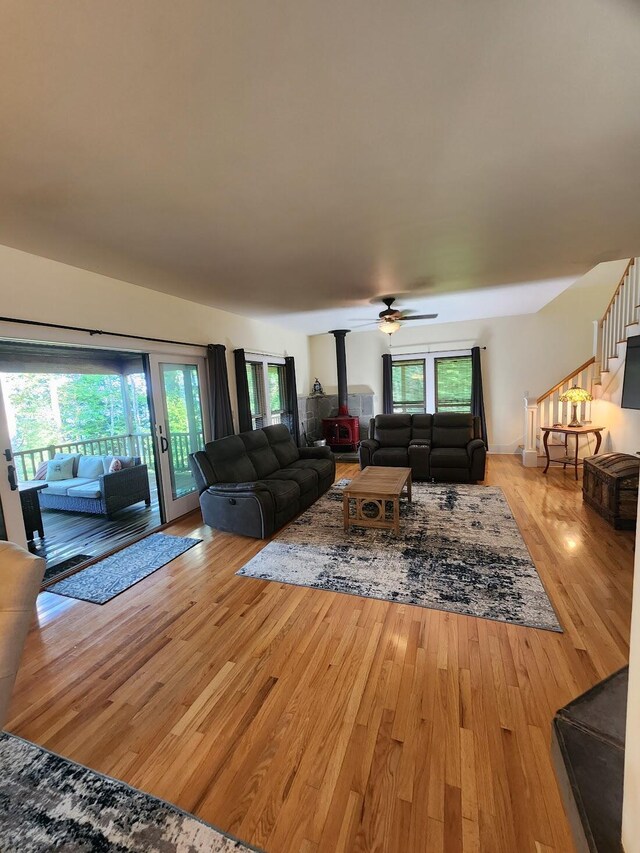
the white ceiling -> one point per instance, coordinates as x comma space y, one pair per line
272, 158
503, 301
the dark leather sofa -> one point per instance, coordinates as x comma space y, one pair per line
436, 447
254, 482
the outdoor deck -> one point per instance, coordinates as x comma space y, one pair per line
68, 534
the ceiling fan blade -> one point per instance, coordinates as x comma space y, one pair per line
420, 317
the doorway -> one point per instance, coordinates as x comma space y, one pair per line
77, 440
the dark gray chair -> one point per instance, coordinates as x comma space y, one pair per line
255, 482
445, 446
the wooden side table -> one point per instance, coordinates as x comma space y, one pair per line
567, 459
31, 510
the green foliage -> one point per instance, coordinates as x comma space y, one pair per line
453, 384
51, 408
276, 383
408, 386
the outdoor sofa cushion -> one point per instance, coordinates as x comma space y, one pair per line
61, 487
59, 469
90, 489
90, 466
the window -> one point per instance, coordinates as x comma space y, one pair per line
432, 382
276, 392
255, 378
409, 386
453, 384
267, 398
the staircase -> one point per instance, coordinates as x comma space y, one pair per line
620, 320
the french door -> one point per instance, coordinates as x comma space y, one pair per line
11, 520
180, 404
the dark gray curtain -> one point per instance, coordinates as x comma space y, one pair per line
242, 388
291, 416
219, 400
387, 385
477, 394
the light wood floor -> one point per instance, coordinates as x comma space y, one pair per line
309, 721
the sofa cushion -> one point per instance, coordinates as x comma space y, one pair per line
306, 478
125, 462
284, 493
396, 457
230, 460
61, 487
322, 467
260, 452
86, 490
60, 469
449, 457
421, 426
393, 430
74, 456
283, 445
90, 466
453, 429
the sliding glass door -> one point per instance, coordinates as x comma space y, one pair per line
179, 399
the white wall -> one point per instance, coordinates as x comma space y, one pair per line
623, 425
35, 288
525, 353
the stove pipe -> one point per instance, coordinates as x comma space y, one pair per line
341, 359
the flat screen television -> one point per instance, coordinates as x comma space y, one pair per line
631, 386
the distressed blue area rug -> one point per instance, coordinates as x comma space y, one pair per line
104, 580
459, 549
50, 803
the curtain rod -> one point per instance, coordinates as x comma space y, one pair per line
265, 354
94, 332
459, 349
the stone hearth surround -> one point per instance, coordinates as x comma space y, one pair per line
313, 409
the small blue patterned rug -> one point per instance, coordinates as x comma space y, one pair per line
50, 803
459, 549
109, 577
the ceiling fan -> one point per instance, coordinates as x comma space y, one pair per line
391, 319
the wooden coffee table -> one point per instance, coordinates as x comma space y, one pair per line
376, 485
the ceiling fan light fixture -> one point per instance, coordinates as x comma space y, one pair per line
389, 326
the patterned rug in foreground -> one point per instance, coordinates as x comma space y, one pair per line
459, 549
109, 577
50, 803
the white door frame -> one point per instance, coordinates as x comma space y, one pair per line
9, 496
174, 507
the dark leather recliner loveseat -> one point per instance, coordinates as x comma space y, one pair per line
445, 446
254, 482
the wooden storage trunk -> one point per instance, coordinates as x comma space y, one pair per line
610, 486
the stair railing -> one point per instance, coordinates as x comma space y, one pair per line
622, 312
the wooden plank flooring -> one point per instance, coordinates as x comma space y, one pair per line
308, 721
71, 533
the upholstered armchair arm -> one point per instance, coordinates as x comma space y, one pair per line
474, 444
478, 457
366, 450
20, 578
420, 442
315, 452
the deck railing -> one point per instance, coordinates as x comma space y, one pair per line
135, 444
